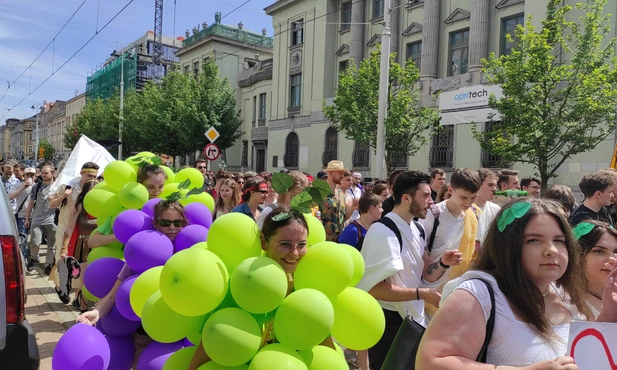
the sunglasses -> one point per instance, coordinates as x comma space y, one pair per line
201, 167
167, 223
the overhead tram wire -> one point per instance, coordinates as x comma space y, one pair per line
236, 8
50, 42
72, 56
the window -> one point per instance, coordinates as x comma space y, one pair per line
342, 66
196, 69
361, 155
262, 106
254, 107
297, 36
459, 52
398, 159
295, 83
489, 160
331, 146
290, 159
414, 53
30, 149
442, 148
412, 2
377, 8
187, 68
346, 15
508, 25
245, 153
30, 136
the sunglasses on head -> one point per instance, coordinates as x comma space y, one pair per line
167, 223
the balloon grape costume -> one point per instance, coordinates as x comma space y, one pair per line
213, 285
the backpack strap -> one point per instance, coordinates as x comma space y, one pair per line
431, 239
392, 226
489, 324
420, 229
359, 227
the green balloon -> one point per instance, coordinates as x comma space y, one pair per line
180, 359
326, 267
321, 357
339, 350
358, 263
316, 232
101, 203
230, 245
202, 245
88, 295
258, 285
193, 175
168, 189
133, 195
231, 337
144, 286
133, 161
118, 173
170, 175
194, 281
203, 198
105, 251
214, 366
277, 356
304, 319
145, 154
360, 322
164, 324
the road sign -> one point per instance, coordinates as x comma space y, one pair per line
212, 151
212, 134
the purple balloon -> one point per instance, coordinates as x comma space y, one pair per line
147, 249
123, 303
156, 354
148, 208
81, 347
187, 343
122, 352
198, 214
129, 223
101, 275
117, 325
189, 236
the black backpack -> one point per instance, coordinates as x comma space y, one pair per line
392, 226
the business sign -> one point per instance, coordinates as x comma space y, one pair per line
468, 104
593, 345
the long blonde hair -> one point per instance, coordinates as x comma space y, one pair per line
300, 182
235, 194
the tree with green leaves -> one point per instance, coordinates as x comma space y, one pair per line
355, 107
559, 89
48, 149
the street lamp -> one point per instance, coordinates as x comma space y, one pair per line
36, 145
121, 113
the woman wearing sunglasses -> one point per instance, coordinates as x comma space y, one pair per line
283, 239
253, 194
169, 219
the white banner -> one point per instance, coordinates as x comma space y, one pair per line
593, 345
468, 104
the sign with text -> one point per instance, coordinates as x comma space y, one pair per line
593, 345
468, 104
212, 151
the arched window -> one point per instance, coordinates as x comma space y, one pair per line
361, 155
290, 159
330, 152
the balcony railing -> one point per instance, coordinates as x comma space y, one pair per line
361, 158
230, 33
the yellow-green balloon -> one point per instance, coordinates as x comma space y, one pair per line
258, 285
164, 324
144, 286
101, 203
194, 281
203, 198
145, 154
106, 251
277, 356
321, 358
326, 267
170, 175
358, 263
118, 173
231, 337
304, 319
103, 185
180, 359
232, 246
359, 321
202, 245
133, 195
339, 350
133, 161
214, 366
316, 232
168, 189
193, 175
88, 295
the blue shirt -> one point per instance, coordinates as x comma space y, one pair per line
244, 208
350, 234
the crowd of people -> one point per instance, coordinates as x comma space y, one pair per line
425, 243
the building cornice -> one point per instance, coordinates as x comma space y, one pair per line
280, 5
458, 15
506, 3
223, 40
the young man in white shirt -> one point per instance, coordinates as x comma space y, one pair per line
484, 201
395, 269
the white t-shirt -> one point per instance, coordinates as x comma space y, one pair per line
450, 228
264, 212
352, 194
489, 211
384, 260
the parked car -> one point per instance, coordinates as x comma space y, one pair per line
18, 348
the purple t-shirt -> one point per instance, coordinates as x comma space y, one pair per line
125, 273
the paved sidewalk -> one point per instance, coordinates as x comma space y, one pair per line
49, 317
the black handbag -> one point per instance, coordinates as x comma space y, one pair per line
402, 353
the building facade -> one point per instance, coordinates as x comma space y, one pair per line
21, 145
54, 124
72, 108
5, 140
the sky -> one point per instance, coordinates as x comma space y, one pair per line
29, 27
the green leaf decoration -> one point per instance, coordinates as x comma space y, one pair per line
315, 195
281, 216
517, 210
194, 191
156, 160
184, 184
302, 202
174, 197
520, 209
323, 187
582, 228
281, 182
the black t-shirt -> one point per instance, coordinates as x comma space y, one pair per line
387, 206
433, 194
583, 213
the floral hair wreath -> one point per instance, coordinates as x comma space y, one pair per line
517, 210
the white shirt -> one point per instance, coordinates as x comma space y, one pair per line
352, 194
489, 212
384, 260
450, 228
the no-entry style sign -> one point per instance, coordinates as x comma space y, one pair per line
212, 151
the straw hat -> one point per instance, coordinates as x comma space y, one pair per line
335, 166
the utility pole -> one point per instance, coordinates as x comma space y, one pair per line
121, 114
384, 77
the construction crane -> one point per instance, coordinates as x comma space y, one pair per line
157, 47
